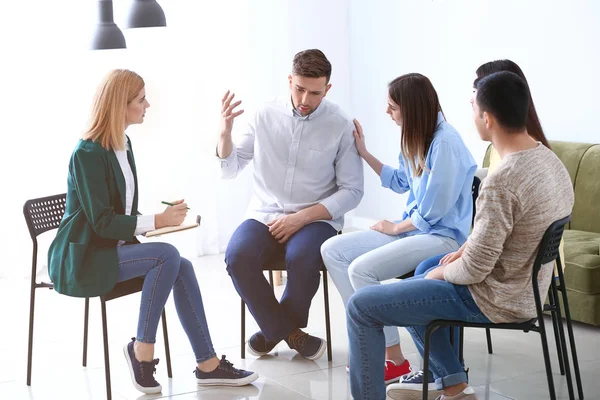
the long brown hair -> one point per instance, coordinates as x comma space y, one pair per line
109, 110
419, 106
534, 127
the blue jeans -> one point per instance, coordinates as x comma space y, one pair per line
412, 303
429, 263
251, 248
163, 269
421, 271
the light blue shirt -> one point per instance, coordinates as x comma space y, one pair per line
440, 201
299, 161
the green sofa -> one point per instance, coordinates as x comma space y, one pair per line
582, 237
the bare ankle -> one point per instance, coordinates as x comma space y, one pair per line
456, 389
143, 351
209, 365
394, 353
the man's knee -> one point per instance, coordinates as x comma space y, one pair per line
357, 308
244, 250
306, 258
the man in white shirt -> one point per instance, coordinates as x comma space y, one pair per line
307, 175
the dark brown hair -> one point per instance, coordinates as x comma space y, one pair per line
312, 64
534, 127
419, 106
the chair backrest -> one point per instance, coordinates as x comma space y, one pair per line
475, 192
44, 214
548, 251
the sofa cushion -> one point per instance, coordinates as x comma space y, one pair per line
582, 261
586, 211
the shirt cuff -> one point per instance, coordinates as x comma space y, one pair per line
419, 222
227, 160
145, 223
451, 272
387, 174
332, 206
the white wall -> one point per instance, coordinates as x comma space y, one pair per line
556, 43
48, 78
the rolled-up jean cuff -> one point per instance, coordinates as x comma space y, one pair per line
451, 380
145, 340
392, 343
206, 358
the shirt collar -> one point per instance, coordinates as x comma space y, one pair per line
440, 118
294, 113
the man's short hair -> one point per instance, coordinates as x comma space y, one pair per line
506, 96
311, 64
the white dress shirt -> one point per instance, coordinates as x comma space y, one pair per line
299, 161
145, 223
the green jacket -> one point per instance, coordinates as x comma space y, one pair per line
82, 259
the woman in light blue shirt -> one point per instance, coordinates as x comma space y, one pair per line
436, 169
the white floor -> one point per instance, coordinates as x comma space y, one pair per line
514, 371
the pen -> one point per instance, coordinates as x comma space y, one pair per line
170, 204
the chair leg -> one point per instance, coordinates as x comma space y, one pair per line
327, 316
86, 316
563, 289
461, 345
488, 335
428, 331
167, 348
544, 339
271, 279
243, 336
563, 342
30, 343
552, 300
106, 357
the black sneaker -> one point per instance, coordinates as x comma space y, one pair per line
259, 345
142, 372
225, 375
411, 387
307, 346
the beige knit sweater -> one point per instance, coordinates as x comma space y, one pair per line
517, 203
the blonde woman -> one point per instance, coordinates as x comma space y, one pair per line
96, 246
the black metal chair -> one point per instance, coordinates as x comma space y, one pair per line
488, 334
42, 215
547, 253
280, 266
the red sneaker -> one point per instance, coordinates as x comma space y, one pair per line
393, 372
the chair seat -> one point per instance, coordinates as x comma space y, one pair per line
125, 288
279, 265
526, 325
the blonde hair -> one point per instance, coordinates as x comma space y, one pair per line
109, 110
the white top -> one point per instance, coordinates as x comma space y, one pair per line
145, 223
299, 161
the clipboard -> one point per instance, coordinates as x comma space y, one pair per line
171, 229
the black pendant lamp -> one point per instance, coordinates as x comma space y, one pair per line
145, 14
107, 35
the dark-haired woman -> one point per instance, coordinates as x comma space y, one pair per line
436, 169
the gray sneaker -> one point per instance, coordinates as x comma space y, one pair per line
467, 394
